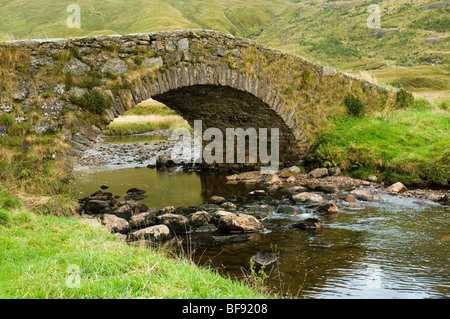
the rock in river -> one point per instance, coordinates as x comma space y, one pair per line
228, 222
365, 195
199, 219
143, 220
116, 224
329, 207
307, 198
178, 224
310, 222
264, 257
396, 188
153, 233
318, 173
124, 212
290, 171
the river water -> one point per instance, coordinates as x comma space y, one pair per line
397, 248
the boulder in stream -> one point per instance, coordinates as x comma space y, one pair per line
307, 223
365, 195
116, 224
307, 198
318, 173
230, 222
153, 233
124, 212
199, 219
143, 220
178, 224
264, 257
329, 207
396, 188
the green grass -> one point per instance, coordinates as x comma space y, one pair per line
144, 125
408, 145
146, 117
150, 108
336, 37
43, 255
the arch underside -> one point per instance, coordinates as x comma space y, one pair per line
224, 107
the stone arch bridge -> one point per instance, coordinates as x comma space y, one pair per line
225, 81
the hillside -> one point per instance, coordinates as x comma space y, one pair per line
410, 50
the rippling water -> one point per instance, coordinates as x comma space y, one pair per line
396, 248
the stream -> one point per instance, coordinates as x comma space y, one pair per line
396, 248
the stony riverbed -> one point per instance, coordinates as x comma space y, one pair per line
239, 216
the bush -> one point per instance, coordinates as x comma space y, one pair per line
355, 105
422, 104
404, 99
91, 80
444, 105
95, 102
6, 119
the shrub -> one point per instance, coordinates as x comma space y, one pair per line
422, 104
397, 84
355, 105
91, 80
6, 119
404, 98
444, 105
95, 102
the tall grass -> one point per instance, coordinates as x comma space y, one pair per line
136, 124
146, 117
408, 145
44, 256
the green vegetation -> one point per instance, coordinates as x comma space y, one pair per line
355, 105
331, 47
408, 145
95, 102
43, 255
143, 124
146, 117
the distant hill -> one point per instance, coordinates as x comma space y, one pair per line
410, 49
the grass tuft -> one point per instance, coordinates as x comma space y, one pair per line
408, 145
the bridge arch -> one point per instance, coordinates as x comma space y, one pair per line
220, 97
206, 75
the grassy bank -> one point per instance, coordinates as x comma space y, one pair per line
42, 256
408, 145
146, 117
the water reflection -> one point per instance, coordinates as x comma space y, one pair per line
392, 249
140, 138
163, 188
